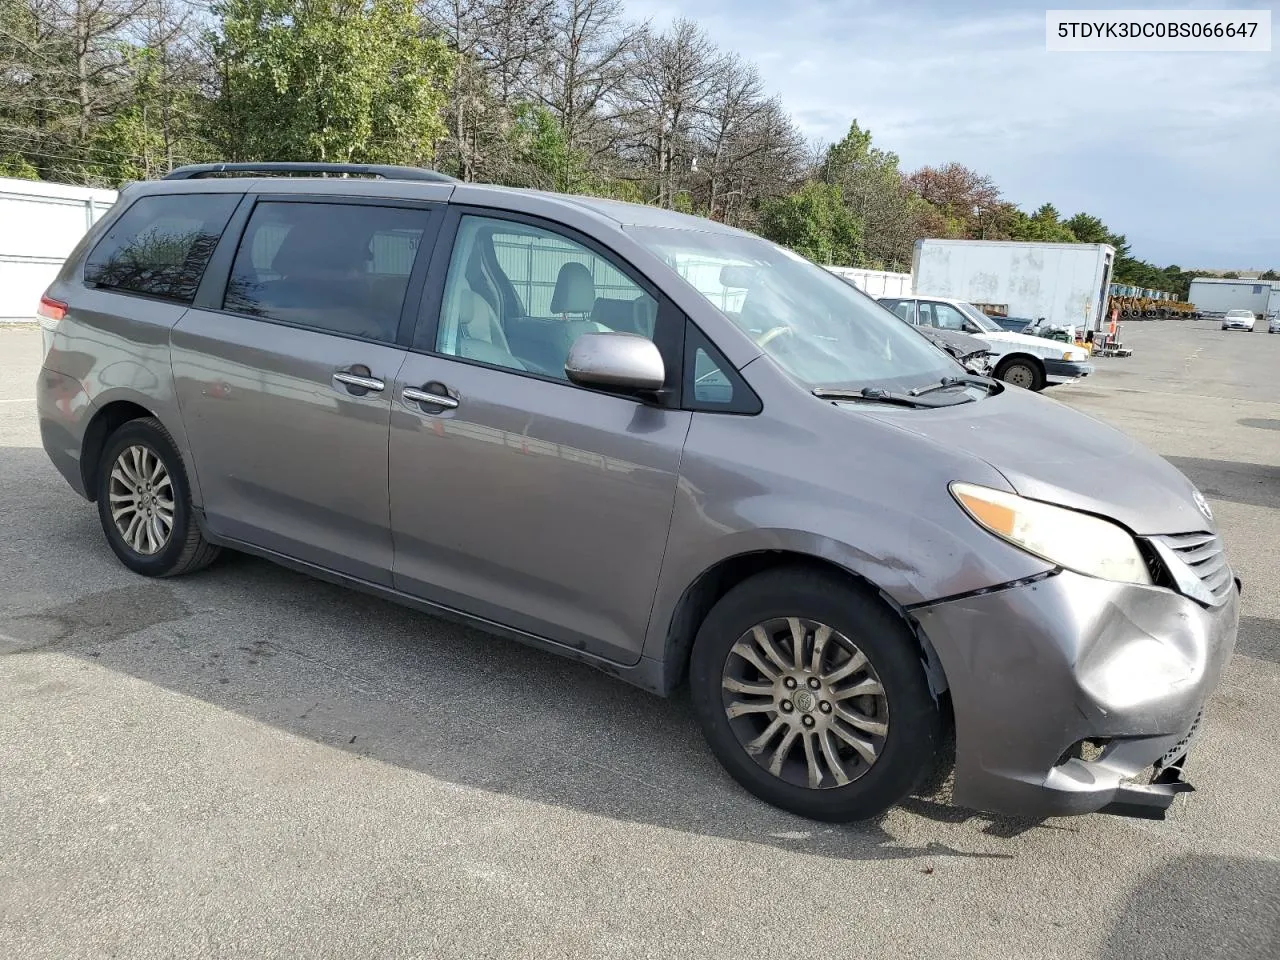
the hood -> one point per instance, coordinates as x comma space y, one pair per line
1037, 345
961, 344
1048, 451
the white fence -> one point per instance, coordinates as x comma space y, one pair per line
876, 283
40, 223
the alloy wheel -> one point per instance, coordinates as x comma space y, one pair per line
141, 500
805, 703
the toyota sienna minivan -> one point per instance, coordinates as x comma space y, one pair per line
655, 444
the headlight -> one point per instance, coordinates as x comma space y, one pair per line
1068, 538
1072, 355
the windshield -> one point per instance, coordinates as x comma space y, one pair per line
821, 330
985, 323
1239, 313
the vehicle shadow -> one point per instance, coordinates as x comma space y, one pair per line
375, 679
1253, 484
1201, 907
1259, 637
1260, 423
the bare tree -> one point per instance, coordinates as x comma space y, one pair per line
674, 83
514, 39
584, 79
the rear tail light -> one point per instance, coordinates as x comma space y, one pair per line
52, 309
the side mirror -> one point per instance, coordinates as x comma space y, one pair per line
623, 362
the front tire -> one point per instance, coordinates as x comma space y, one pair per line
812, 695
144, 503
1020, 372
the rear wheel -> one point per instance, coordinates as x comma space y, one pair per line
144, 503
1021, 372
811, 694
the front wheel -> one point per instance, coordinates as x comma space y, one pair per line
811, 694
144, 503
1019, 372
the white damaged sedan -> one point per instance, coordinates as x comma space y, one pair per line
1018, 358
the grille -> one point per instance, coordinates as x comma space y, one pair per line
1204, 557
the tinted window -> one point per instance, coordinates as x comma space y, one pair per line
161, 245
338, 267
518, 296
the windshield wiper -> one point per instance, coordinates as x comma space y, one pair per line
874, 395
985, 382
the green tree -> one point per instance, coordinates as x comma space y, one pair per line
886, 217
1044, 226
1269, 275
815, 222
15, 165
1231, 275
544, 158
329, 80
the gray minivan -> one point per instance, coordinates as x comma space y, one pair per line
656, 444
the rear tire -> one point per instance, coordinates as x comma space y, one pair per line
1020, 372
144, 503
844, 756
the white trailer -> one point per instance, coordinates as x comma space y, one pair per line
40, 223
876, 283
1066, 284
1213, 296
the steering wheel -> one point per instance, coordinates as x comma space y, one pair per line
773, 333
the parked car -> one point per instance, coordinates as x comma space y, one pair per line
1011, 324
974, 353
1238, 320
1273, 325
654, 444
1022, 360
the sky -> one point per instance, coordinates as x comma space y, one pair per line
1180, 152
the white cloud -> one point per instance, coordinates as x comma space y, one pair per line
1176, 150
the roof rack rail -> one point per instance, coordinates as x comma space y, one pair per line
196, 171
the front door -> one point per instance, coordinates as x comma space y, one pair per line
515, 495
286, 390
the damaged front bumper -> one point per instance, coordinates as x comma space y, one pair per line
1073, 695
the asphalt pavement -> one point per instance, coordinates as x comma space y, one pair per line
251, 763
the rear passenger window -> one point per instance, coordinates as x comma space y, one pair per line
161, 245
336, 267
905, 309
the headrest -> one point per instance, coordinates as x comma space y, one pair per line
575, 291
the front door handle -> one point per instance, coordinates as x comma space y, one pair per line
426, 397
359, 381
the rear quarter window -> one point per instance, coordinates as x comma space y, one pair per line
161, 245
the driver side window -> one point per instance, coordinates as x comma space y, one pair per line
518, 296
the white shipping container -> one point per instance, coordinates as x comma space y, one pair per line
1213, 297
40, 223
876, 283
1065, 283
